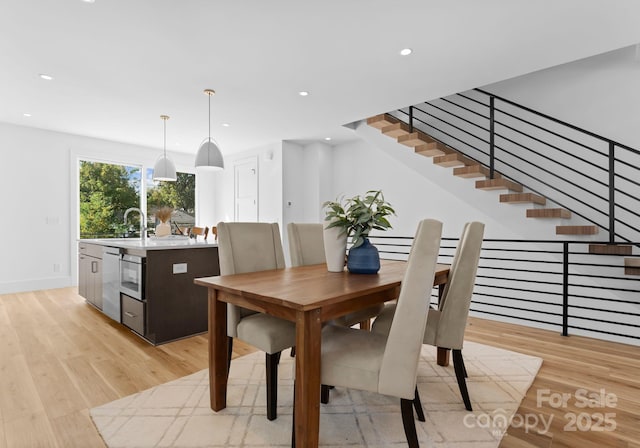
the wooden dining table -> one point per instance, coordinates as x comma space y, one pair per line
308, 296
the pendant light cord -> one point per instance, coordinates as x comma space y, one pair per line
208, 146
165, 137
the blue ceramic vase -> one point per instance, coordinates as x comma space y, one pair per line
363, 259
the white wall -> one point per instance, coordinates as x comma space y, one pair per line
600, 94
39, 220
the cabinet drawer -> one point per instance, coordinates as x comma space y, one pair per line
93, 250
133, 314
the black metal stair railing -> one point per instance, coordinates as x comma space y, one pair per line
557, 285
592, 176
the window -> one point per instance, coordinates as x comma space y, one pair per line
106, 191
179, 195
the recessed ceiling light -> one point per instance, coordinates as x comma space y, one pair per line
327, 138
89, 1
303, 93
26, 115
46, 77
226, 125
406, 51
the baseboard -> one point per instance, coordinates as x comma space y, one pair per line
35, 284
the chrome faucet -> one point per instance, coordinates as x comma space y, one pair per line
143, 227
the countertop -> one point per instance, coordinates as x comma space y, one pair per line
162, 243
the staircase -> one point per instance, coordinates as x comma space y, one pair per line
561, 171
468, 168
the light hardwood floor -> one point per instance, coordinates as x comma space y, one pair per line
59, 357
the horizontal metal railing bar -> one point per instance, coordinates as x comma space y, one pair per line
448, 135
512, 288
528, 251
562, 179
617, 190
564, 123
523, 260
612, 333
604, 299
453, 103
538, 153
588, 308
497, 296
597, 265
517, 317
529, 271
608, 277
464, 131
476, 302
608, 288
626, 209
473, 100
570, 140
454, 115
555, 200
624, 162
543, 282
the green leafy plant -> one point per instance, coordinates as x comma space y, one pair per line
357, 216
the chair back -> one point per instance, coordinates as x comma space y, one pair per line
247, 247
306, 243
402, 352
453, 310
199, 231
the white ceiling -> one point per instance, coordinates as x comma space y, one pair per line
120, 64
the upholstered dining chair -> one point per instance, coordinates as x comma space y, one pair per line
306, 247
446, 325
388, 364
251, 247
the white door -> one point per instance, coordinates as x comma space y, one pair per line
246, 190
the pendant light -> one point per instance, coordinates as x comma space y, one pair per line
209, 155
164, 169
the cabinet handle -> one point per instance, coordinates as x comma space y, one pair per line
128, 314
94, 267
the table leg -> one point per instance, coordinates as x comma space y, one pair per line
218, 341
307, 393
365, 325
443, 353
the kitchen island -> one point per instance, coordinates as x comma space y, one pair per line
147, 285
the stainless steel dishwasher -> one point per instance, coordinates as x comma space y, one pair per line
111, 257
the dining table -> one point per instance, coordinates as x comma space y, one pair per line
310, 296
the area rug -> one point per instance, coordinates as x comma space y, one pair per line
177, 414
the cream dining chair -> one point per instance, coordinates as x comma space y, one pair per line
446, 325
306, 247
388, 364
252, 247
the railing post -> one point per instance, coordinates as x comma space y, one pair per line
410, 119
491, 137
565, 289
612, 193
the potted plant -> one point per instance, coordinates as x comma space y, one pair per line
356, 217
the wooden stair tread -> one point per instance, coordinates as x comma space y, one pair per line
414, 139
433, 149
522, 198
610, 249
576, 230
548, 213
381, 121
396, 130
498, 184
471, 171
452, 160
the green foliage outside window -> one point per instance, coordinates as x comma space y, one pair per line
106, 191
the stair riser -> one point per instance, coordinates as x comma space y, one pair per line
381, 121
498, 184
395, 130
414, 139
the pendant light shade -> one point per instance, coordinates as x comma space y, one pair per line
164, 169
209, 155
